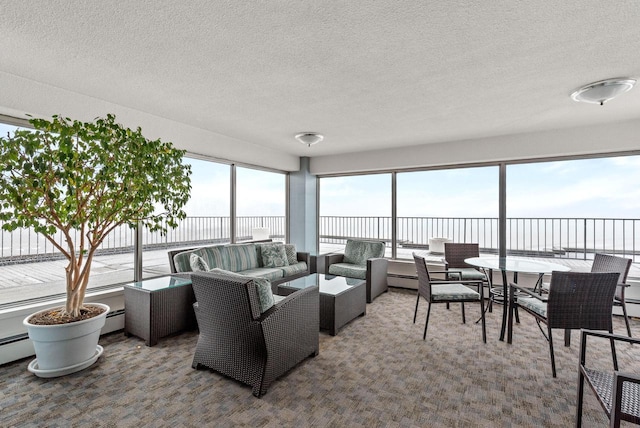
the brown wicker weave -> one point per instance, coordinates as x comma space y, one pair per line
576, 300
238, 341
617, 392
425, 290
607, 263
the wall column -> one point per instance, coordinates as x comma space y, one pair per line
303, 208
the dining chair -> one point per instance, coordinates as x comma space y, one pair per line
607, 263
446, 291
620, 265
454, 262
576, 300
617, 392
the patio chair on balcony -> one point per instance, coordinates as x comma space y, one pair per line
576, 300
362, 259
446, 291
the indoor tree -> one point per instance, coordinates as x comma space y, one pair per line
83, 180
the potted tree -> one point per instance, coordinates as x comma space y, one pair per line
80, 181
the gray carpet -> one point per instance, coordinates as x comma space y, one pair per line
376, 372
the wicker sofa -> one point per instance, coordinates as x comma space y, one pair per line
246, 259
362, 259
241, 339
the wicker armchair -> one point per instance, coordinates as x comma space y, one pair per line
576, 300
240, 342
446, 291
362, 259
618, 393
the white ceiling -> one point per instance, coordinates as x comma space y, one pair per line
367, 74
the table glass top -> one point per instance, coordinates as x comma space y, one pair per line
328, 284
514, 264
155, 284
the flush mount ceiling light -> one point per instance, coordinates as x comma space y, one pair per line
309, 138
602, 91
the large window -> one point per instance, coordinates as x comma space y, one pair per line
574, 208
459, 204
354, 207
261, 204
208, 217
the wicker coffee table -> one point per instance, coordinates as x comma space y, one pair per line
158, 307
341, 299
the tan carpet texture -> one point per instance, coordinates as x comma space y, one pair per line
377, 372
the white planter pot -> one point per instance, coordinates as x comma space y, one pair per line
66, 348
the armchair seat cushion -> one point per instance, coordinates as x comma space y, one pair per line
348, 269
534, 305
449, 292
467, 274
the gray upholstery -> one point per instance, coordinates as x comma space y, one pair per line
359, 256
238, 341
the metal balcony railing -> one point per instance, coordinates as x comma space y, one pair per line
573, 238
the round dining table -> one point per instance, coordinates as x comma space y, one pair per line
515, 265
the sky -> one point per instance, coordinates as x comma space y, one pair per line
599, 188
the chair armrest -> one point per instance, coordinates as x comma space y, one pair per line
303, 257
585, 332
530, 293
294, 320
333, 258
456, 281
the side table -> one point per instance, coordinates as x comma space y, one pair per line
158, 307
317, 263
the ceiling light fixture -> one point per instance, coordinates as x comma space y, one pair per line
309, 138
602, 91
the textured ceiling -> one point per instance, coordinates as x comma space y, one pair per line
368, 75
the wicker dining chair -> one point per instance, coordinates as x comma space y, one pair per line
576, 300
446, 291
617, 392
607, 263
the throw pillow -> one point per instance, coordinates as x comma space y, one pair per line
198, 264
292, 256
274, 255
263, 286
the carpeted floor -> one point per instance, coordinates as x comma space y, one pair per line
376, 372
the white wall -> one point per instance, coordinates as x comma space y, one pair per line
618, 137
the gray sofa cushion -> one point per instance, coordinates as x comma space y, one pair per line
197, 263
348, 269
274, 255
268, 273
242, 257
357, 252
293, 269
292, 254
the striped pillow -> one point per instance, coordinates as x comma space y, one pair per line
242, 257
